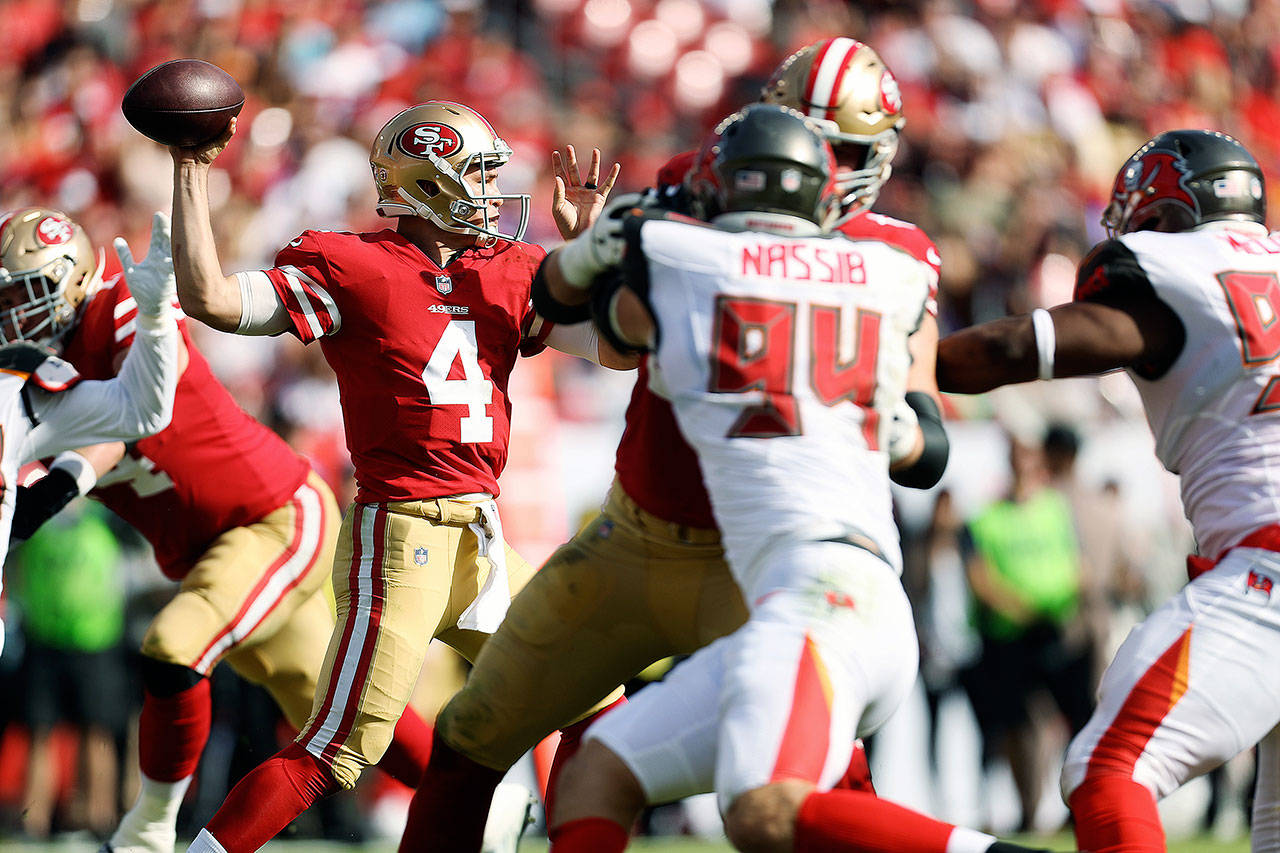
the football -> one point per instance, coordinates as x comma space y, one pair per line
184, 102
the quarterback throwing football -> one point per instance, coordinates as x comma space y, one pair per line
422, 325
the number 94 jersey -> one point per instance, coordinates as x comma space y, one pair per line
422, 354
1215, 411
783, 359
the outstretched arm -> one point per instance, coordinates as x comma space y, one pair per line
139, 401
1116, 321
205, 293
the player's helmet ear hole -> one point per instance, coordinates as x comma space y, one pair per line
431, 188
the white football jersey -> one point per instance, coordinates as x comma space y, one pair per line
783, 358
1215, 412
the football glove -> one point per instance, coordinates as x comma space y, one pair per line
41, 501
151, 280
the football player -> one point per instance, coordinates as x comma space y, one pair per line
232, 513
784, 350
1184, 296
422, 324
45, 408
647, 578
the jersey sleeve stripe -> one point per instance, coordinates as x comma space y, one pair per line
304, 303
124, 306
126, 329
317, 302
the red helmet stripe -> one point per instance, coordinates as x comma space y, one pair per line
828, 72
4, 222
813, 72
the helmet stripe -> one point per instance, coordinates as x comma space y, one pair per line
828, 72
813, 76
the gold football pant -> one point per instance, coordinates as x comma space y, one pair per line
628, 590
403, 575
256, 598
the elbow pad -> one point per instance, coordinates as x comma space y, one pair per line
550, 308
928, 469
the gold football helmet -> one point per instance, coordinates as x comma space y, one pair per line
47, 268
423, 162
845, 86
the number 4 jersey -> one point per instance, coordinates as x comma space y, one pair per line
422, 354
1215, 411
783, 358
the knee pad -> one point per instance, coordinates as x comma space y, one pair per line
167, 679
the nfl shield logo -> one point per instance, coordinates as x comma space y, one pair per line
444, 284
420, 556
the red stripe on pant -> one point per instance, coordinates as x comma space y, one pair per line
377, 600
344, 646
263, 581
806, 739
1113, 812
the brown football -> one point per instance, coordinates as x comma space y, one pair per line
184, 102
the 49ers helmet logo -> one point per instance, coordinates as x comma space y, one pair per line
54, 231
431, 137
1154, 178
890, 93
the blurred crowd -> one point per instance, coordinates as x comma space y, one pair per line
1018, 115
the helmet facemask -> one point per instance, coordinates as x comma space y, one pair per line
436, 161
859, 185
33, 303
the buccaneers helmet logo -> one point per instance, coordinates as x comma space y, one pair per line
432, 137
1155, 178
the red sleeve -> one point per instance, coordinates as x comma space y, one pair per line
533, 328
301, 278
104, 330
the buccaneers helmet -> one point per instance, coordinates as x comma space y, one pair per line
771, 165
1182, 178
421, 162
47, 268
843, 84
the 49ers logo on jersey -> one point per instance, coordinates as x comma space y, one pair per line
54, 231
430, 137
1158, 177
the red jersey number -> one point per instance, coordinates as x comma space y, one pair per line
474, 390
1254, 299
755, 349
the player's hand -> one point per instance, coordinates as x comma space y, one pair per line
904, 433
576, 204
203, 155
151, 279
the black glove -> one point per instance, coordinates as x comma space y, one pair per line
41, 501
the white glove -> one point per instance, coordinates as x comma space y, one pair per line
151, 280
904, 432
600, 246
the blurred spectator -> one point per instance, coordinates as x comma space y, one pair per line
1023, 568
934, 576
72, 603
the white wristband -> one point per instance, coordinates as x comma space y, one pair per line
1046, 342
78, 467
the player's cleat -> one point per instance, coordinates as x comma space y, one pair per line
510, 814
158, 837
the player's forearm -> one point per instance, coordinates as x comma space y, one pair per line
204, 292
148, 379
559, 286
988, 356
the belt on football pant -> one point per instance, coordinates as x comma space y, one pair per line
858, 539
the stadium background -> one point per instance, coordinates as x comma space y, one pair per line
1018, 115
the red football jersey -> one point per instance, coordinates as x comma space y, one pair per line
422, 354
655, 465
212, 469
